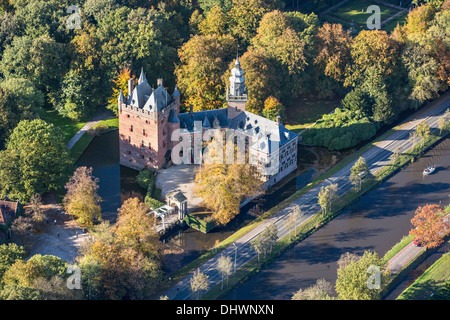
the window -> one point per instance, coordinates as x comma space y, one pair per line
143, 132
129, 139
129, 152
128, 115
142, 156
142, 143
150, 145
131, 128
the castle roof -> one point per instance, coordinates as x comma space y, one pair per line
140, 95
158, 100
187, 119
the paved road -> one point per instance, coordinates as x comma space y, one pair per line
377, 157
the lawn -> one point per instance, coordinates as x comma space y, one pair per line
304, 111
356, 10
433, 284
67, 126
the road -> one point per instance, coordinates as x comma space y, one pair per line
377, 157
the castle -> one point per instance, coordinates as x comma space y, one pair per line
148, 117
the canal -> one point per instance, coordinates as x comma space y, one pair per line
117, 183
376, 222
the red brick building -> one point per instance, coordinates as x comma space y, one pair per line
148, 117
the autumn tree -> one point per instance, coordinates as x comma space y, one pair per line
135, 228
371, 48
264, 241
441, 124
333, 47
81, 199
222, 188
321, 290
273, 108
199, 283
216, 22
203, 61
429, 225
224, 266
245, 16
395, 156
120, 84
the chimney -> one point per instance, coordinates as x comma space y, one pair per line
278, 119
191, 110
159, 82
130, 86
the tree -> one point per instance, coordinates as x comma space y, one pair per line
135, 228
333, 47
369, 47
224, 266
354, 278
216, 22
41, 60
19, 100
36, 160
327, 195
293, 220
245, 16
423, 131
320, 291
395, 156
120, 84
359, 171
37, 214
9, 254
203, 61
441, 124
81, 199
265, 240
357, 100
199, 282
429, 225
273, 108
222, 188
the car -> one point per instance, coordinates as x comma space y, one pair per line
417, 242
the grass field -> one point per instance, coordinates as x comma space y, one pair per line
433, 284
356, 11
67, 126
304, 111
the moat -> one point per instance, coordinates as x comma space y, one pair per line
117, 183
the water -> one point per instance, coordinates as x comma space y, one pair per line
376, 222
117, 183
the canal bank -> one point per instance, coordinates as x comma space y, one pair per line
375, 222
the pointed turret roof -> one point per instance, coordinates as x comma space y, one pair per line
176, 93
121, 97
142, 77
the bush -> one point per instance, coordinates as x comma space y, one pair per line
153, 203
340, 130
146, 179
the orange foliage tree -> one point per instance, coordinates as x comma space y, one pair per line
121, 83
429, 225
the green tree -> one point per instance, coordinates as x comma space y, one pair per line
327, 195
9, 254
41, 60
423, 131
354, 281
35, 160
359, 171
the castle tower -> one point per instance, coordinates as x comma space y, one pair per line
237, 92
144, 126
